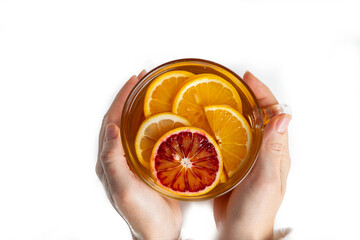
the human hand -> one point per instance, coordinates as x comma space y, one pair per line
248, 211
149, 215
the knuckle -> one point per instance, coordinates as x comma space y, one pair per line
111, 151
125, 199
276, 146
107, 156
125, 196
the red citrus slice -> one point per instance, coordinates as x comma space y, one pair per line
186, 161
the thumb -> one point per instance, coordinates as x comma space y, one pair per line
274, 154
113, 159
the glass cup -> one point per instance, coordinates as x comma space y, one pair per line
256, 116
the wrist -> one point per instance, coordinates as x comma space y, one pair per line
136, 236
246, 233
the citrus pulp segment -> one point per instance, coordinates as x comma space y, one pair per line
186, 161
151, 130
233, 135
203, 90
162, 90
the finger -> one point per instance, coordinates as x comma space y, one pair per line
142, 74
115, 110
274, 154
113, 160
274, 159
263, 94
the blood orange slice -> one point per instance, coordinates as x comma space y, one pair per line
186, 161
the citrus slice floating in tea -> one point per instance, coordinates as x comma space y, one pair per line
201, 91
151, 130
186, 161
233, 135
162, 90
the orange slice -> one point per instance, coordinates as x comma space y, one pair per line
233, 135
201, 91
186, 161
151, 130
159, 96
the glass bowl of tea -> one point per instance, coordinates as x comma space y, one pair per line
192, 129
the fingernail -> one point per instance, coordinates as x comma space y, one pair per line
282, 124
111, 132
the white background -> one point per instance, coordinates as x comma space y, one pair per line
62, 62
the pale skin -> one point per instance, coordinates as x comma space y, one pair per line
248, 212
143, 209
